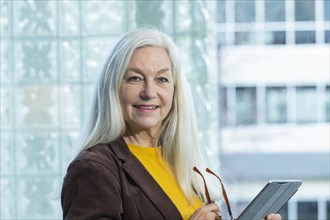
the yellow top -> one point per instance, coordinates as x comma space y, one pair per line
152, 160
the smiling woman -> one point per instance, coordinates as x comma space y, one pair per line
135, 160
139, 150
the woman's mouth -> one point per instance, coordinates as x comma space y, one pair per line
146, 107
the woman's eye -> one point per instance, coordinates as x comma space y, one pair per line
134, 79
163, 79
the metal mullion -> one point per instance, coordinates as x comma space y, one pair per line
289, 22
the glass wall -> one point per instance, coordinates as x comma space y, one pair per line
51, 53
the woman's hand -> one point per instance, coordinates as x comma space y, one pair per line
207, 212
273, 217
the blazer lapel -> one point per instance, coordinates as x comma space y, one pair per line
133, 167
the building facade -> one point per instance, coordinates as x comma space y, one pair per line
274, 100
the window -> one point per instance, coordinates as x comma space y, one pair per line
275, 37
221, 11
276, 104
305, 37
223, 107
274, 10
245, 38
328, 209
306, 104
326, 8
327, 36
304, 10
327, 104
307, 210
245, 11
246, 106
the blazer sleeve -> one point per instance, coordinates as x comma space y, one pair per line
91, 191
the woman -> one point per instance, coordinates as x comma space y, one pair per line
139, 148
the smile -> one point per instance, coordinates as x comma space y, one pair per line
146, 107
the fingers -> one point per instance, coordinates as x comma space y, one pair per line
274, 217
207, 212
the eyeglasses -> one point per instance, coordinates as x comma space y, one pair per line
224, 193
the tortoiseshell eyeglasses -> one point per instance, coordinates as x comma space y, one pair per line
224, 193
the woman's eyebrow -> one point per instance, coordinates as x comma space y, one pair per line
137, 70
134, 69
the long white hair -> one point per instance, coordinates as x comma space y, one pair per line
179, 136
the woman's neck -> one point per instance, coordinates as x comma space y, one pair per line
141, 138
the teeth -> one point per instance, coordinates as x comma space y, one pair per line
147, 107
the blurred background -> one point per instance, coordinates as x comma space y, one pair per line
258, 70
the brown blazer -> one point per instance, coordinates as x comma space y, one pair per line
108, 182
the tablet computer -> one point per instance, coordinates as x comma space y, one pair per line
270, 199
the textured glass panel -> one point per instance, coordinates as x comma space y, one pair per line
70, 60
326, 10
69, 145
88, 93
58, 53
6, 108
184, 12
34, 198
245, 11
35, 60
274, 10
184, 45
306, 105
38, 153
69, 17
198, 29
5, 20
103, 17
7, 198
37, 106
276, 104
304, 10
307, 210
246, 105
95, 51
35, 17
275, 37
6, 155
70, 106
167, 8
5, 56
305, 37
149, 12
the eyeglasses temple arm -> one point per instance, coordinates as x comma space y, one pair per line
223, 192
205, 187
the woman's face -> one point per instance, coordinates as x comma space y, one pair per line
146, 92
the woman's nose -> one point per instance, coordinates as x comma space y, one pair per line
148, 91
